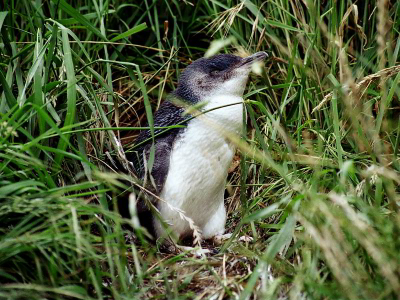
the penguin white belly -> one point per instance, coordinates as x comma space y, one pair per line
197, 174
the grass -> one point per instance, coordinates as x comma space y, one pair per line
315, 181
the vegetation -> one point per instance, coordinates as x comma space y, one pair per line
315, 181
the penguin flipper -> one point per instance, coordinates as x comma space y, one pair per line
159, 169
167, 115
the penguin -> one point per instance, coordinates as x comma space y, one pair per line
189, 167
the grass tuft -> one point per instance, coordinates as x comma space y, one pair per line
313, 192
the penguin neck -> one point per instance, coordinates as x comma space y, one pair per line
221, 101
226, 111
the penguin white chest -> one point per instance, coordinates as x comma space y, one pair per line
197, 173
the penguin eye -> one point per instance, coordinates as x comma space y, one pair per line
214, 72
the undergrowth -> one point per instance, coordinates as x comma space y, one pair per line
315, 182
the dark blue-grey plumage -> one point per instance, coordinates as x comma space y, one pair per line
190, 91
168, 115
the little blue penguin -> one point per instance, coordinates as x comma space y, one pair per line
190, 165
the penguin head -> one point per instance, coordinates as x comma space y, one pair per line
219, 75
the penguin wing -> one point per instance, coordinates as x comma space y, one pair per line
167, 115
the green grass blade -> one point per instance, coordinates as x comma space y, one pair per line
130, 32
78, 17
71, 95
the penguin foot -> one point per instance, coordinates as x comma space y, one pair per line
246, 238
220, 238
195, 251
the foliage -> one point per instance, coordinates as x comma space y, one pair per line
316, 185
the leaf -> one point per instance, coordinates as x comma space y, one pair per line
88, 16
11, 101
217, 45
129, 32
76, 289
262, 213
3, 15
38, 80
283, 26
71, 94
32, 71
77, 16
14, 187
282, 239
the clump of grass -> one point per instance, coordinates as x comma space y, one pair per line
315, 182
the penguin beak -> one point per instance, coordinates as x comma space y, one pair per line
259, 56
